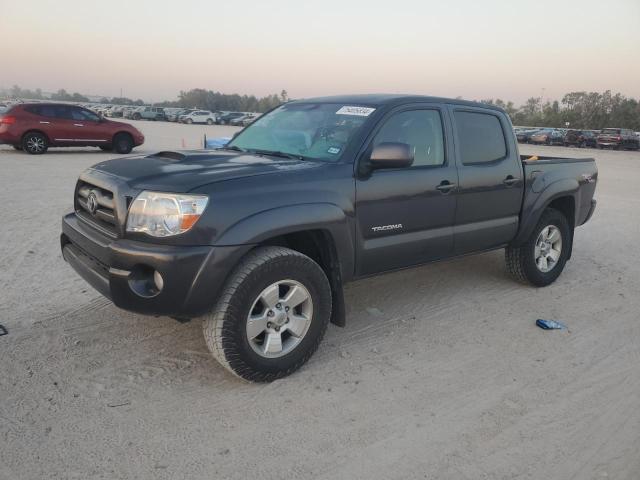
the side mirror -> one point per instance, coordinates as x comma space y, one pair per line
391, 155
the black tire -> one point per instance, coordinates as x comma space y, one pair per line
209, 121
122, 143
189, 121
225, 328
136, 116
34, 143
521, 261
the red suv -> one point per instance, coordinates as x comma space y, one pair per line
34, 127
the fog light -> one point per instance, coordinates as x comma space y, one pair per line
145, 281
157, 279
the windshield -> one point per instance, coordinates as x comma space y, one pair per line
318, 131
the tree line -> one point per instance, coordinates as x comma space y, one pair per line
588, 110
216, 101
581, 110
195, 98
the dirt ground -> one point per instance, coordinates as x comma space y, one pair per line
440, 373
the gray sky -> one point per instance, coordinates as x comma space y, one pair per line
475, 49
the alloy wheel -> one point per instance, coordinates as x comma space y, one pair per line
279, 318
548, 248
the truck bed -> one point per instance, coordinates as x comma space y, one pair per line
548, 177
534, 159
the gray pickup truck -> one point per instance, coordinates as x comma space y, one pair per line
257, 239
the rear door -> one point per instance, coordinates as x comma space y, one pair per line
405, 216
58, 123
490, 179
43, 119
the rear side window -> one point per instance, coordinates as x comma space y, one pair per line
480, 136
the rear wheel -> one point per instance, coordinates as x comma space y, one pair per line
542, 258
137, 116
209, 121
35, 143
122, 143
271, 314
189, 121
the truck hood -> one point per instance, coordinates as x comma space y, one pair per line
186, 170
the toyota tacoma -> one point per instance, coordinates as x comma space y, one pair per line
257, 238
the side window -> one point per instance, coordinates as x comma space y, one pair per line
480, 136
83, 115
63, 112
44, 110
421, 129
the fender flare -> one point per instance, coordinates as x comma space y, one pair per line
326, 217
531, 212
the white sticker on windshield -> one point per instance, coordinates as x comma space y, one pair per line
334, 150
358, 111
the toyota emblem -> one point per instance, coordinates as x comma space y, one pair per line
92, 203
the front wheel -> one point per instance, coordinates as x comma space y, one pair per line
542, 258
122, 143
189, 121
271, 314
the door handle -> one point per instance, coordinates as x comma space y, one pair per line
45, 123
510, 181
445, 186
78, 125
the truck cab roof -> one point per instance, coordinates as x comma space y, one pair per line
388, 99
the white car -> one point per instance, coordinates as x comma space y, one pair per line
199, 116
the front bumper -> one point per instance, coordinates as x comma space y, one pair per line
592, 209
192, 275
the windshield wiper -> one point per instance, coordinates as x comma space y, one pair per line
233, 148
273, 153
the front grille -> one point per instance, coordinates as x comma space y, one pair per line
96, 206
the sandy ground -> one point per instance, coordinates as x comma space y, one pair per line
439, 374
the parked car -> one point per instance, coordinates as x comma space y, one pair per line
148, 113
616, 138
199, 116
557, 136
172, 114
36, 127
116, 112
129, 112
244, 120
258, 238
175, 117
524, 135
542, 136
580, 138
226, 118
250, 119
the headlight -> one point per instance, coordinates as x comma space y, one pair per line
164, 214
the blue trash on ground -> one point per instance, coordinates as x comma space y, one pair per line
550, 324
214, 143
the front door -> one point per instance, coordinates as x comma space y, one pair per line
405, 216
88, 130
